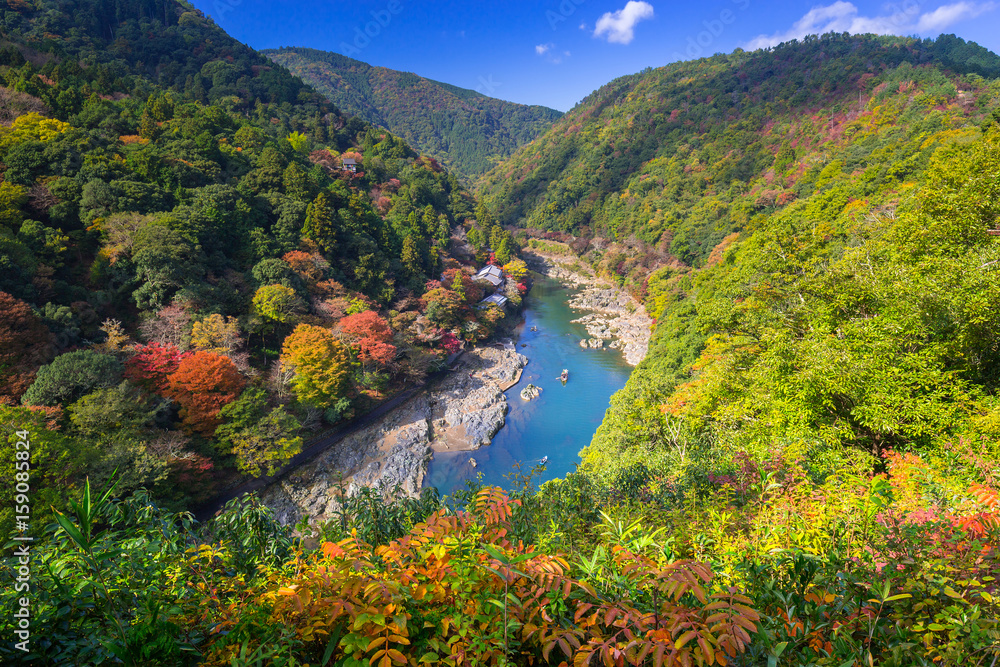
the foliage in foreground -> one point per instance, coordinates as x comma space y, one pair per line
455, 590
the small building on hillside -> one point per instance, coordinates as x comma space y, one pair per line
493, 300
349, 164
491, 274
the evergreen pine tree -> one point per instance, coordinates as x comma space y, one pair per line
319, 226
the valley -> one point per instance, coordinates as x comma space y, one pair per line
702, 371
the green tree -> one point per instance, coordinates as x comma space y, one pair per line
56, 461
263, 449
320, 226
164, 262
504, 254
298, 141
411, 256
111, 411
71, 376
277, 303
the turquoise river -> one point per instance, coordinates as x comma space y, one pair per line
561, 421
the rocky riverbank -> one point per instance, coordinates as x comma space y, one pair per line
461, 412
614, 316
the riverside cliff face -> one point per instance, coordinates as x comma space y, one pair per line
614, 316
461, 412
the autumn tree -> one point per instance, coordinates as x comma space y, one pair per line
170, 326
24, 346
116, 339
368, 324
202, 385
152, 364
320, 227
516, 269
462, 284
444, 307
371, 334
322, 365
217, 334
310, 267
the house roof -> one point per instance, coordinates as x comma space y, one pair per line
494, 299
349, 160
490, 270
491, 279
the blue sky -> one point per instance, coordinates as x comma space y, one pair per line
555, 52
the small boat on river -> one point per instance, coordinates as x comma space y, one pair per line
564, 376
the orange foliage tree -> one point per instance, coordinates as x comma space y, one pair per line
309, 267
203, 384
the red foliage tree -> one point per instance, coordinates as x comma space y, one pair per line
377, 351
24, 346
367, 324
153, 364
371, 333
203, 384
450, 342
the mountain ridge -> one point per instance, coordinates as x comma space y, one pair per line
459, 126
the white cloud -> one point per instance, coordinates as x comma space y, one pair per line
946, 15
843, 16
551, 55
619, 27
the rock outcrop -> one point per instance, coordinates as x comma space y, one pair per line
464, 410
531, 392
614, 315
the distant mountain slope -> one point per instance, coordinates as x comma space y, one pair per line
461, 127
683, 155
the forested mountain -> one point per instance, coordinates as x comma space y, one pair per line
753, 180
201, 259
462, 128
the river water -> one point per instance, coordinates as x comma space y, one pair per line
561, 421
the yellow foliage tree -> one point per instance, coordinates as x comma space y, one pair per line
322, 365
217, 334
116, 339
31, 127
516, 269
